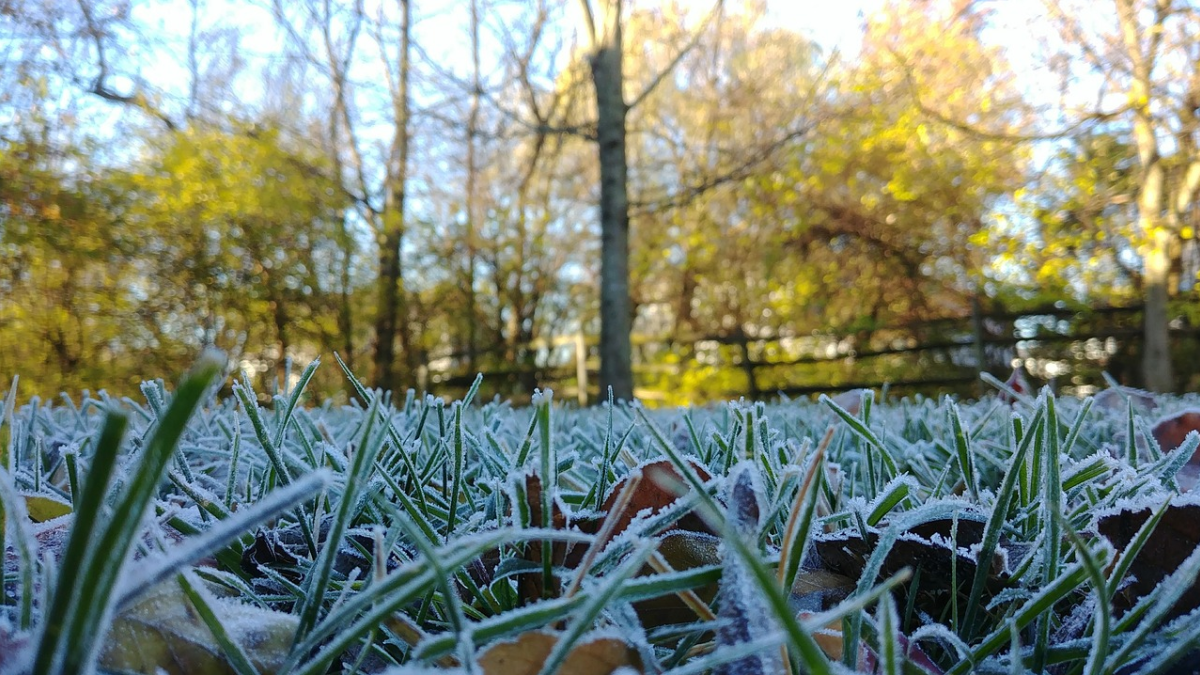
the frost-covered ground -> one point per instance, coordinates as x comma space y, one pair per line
197, 536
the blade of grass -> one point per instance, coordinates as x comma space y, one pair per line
294, 398
994, 526
108, 549
317, 579
1052, 516
235, 656
962, 446
810, 653
88, 507
24, 544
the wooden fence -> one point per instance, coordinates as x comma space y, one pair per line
1067, 348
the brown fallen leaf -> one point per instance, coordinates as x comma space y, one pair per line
682, 550
16, 651
1170, 433
816, 590
850, 400
1018, 384
659, 489
562, 554
1117, 400
926, 549
830, 639
1174, 539
741, 607
162, 632
527, 654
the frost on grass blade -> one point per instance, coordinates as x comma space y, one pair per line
446, 468
742, 608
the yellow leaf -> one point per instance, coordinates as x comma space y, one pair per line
162, 632
527, 654
43, 507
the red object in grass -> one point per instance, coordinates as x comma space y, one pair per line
1017, 383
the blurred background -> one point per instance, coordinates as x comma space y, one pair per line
686, 200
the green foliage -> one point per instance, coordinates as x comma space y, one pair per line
212, 239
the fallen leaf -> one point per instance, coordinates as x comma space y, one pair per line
1170, 433
283, 548
850, 401
527, 654
926, 549
16, 650
1117, 400
683, 550
816, 590
1174, 539
43, 507
1018, 384
660, 487
829, 638
162, 632
562, 554
741, 607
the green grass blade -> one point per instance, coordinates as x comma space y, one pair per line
317, 579
234, 654
88, 507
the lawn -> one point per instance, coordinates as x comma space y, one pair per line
187, 533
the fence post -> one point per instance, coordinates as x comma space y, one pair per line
977, 334
743, 341
581, 377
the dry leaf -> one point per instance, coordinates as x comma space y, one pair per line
1171, 432
527, 654
43, 507
816, 590
562, 554
683, 550
658, 490
741, 607
163, 632
1117, 400
1017, 383
924, 548
1174, 538
850, 400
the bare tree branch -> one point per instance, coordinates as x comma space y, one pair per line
666, 71
99, 87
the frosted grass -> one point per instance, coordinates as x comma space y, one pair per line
404, 526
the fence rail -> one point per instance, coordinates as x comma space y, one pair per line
1066, 347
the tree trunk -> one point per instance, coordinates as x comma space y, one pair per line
616, 369
1156, 354
1156, 344
345, 321
391, 321
388, 307
471, 187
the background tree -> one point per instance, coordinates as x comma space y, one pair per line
1144, 56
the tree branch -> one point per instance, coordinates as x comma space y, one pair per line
100, 88
662, 74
